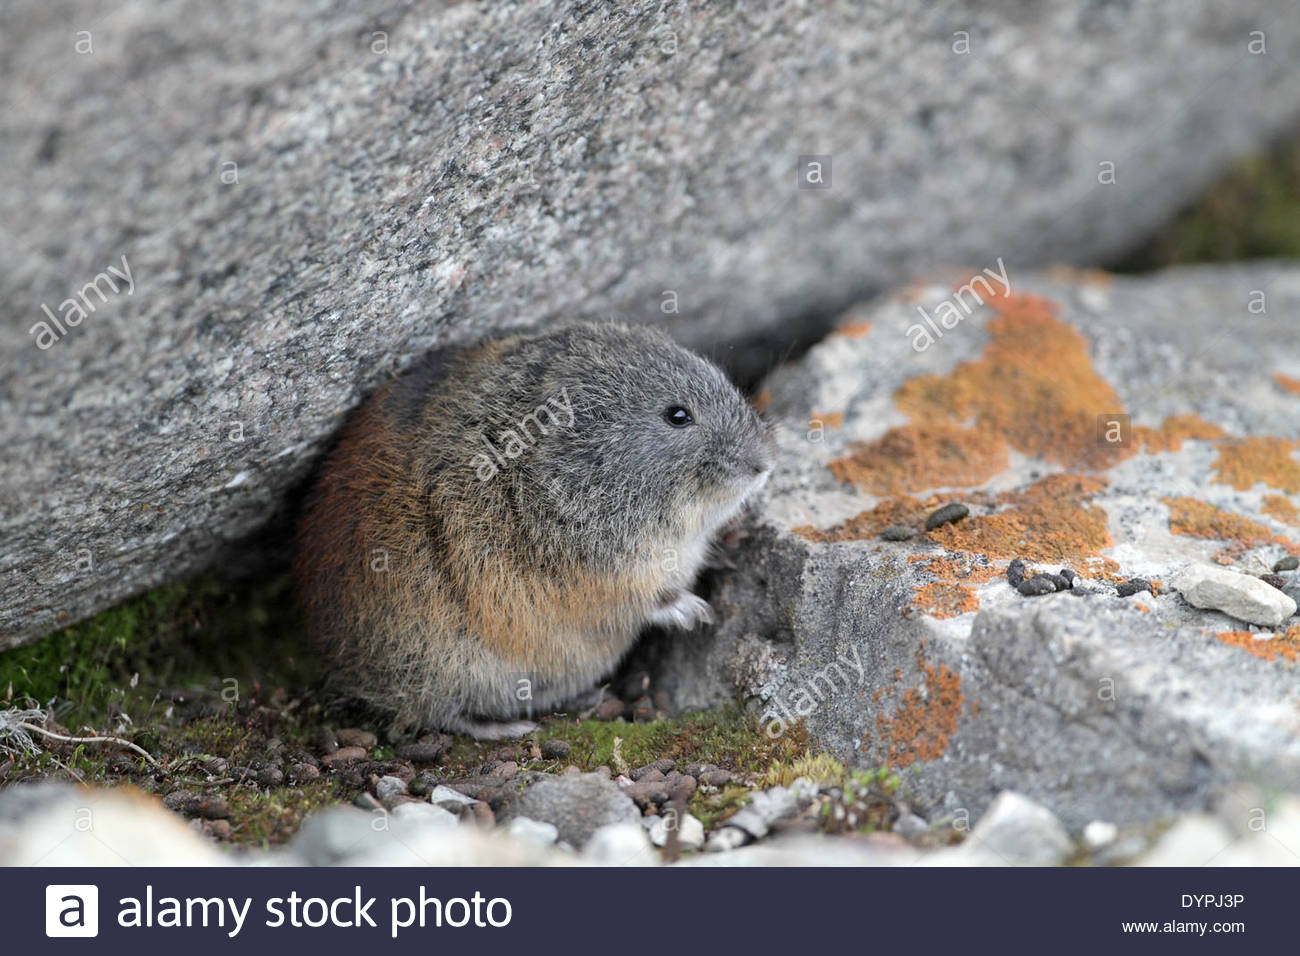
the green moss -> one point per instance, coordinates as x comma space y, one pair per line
130, 659
264, 818
728, 736
1252, 213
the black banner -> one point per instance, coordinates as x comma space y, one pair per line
654, 910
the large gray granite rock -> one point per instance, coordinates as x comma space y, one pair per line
1068, 426
300, 198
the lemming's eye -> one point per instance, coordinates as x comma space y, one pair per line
677, 416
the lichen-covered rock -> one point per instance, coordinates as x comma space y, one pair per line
298, 199
1124, 428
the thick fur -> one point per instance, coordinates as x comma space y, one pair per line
447, 591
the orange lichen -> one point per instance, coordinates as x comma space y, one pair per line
1072, 275
1287, 383
1200, 519
853, 330
1049, 521
1174, 430
957, 567
924, 719
1282, 509
826, 420
944, 599
1284, 646
1244, 461
915, 457
949, 595
868, 524
762, 400
1035, 387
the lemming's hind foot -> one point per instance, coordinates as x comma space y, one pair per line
492, 729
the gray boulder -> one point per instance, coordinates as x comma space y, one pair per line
299, 200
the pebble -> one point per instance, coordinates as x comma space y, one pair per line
303, 773
647, 793
556, 750
577, 805
343, 756
1099, 833
897, 532
1037, 585
271, 777
726, 838
690, 832
420, 753
422, 785
1274, 580
1133, 586
219, 829
1289, 563
620, 844
662, 766
388, 788
1239, 595
610, 709
351, 737
447, 797
1017, 830
424, 815
945, 515
532, 831
480, 788
1016, 572
367, 801
765, 808
910, 826
326, 741
193, 804
680, 786
695, 769
716, 778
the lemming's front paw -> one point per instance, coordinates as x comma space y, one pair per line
686, 610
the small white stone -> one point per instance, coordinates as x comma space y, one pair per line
425, 814
445, 795
1017, 830
1099, 833
1195, 840
726, 838
1239, 595
532, 831
620, 844
691, 832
